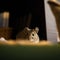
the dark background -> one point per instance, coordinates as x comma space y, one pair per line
24, 13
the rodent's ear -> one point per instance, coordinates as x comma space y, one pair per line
28, 29
37, 29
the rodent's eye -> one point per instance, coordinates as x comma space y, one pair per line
32, 34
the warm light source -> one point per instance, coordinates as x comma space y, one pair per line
53, 0
56, 1
5, 16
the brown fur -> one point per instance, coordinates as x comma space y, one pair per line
25, 33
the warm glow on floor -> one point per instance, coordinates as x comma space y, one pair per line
32, 43
26, 42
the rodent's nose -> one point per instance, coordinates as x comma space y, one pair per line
32, 34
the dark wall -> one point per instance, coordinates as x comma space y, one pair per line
26, 13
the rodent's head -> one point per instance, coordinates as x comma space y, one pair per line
33, 34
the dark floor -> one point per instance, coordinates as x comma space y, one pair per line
18, 52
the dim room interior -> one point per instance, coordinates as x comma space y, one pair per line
14, 18
30, 29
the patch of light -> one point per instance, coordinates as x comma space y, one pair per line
6, 15
22, 42
27, 42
